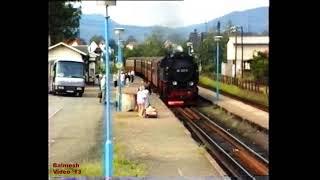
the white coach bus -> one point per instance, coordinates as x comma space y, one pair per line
66, 76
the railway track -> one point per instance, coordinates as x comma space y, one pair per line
235, 157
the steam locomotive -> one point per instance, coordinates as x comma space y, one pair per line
175, 76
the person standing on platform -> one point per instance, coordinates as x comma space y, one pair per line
122, 78
132, 75
115, 80
127, 78
129, 74
141, 97
147, 100
103, 89
97, 80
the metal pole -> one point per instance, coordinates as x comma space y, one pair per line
217, 61
242, 52
120, 104
235, 55
107, 114
217, 38
120, 84
200, 67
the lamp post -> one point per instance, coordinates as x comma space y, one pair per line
242, 65
119, 65
235, 29
217, 39
108, 157
235, 55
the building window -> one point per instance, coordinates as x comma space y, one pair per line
246, 65
91, 72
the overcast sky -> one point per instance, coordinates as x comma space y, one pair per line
170, 13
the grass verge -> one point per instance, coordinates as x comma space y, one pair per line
261, 99
121, 167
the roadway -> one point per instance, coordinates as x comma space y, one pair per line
75, 128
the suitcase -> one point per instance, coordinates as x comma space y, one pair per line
151, 112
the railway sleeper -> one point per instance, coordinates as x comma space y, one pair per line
255, 167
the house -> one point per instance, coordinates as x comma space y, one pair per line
131, 45
62, 50
95, 55
251, 45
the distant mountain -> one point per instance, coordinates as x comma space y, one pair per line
253, 20
93, 24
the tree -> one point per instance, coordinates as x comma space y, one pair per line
208, 52
260, 67
135, 52
185, 46
153, 45
82, 41
97, 39
64, 21
176, 38
131, 39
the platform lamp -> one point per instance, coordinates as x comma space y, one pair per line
119, 64
108, 157
235, 30
217, 39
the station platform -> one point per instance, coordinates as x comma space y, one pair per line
247, 112
163, 144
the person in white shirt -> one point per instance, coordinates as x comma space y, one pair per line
132, 76
103, 88
141, 98
147, 100
127, 78
122, 79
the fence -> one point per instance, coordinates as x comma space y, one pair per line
255, 86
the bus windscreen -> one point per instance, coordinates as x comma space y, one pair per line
70, 69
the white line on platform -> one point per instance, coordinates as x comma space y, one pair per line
180, 172
214, 164
55, 112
